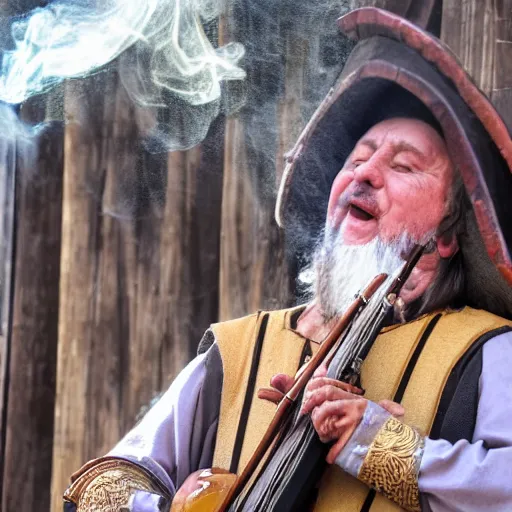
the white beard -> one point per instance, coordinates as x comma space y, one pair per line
339, 271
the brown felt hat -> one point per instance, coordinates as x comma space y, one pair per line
396, 70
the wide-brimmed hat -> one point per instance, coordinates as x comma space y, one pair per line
397, 69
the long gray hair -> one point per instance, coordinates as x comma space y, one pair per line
448, 289
468, 278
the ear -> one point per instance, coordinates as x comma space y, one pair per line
447, 246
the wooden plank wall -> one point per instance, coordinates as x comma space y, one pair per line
480, 33
123, 258
139, 280
7, 200
253, 271
33, 337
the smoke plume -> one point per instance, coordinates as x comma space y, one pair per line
73, 39
169, 60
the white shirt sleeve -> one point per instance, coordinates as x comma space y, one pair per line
176, 437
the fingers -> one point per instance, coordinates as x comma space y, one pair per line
282, 382
324, 381
331, 418
339, 445
327, 392
321, 371
330, 428
393, 408
270, 394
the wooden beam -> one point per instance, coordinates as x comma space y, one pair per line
501, 93
33, 350
7, 202
424, 13
90, 349
110, 329
480, 34
140, 265
191, 231
253, 271
468, 28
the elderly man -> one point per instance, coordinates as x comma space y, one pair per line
423, 156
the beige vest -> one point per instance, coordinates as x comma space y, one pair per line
281, 351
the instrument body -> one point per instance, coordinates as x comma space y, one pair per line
203, 491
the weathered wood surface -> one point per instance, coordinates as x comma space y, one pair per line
253, 272
139, 280
501, 94
425, 13
33, 339
7, 201
90, 324
480, 34
154, 248
253, 267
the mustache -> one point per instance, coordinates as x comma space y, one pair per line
364, 194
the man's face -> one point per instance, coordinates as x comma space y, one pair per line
396, 180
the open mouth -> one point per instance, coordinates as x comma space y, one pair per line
359, 213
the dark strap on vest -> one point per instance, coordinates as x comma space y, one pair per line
406, 377
246, 408
456, 416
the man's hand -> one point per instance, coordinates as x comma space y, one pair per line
280, 385
336, 407
336, 410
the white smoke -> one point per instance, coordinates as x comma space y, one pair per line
74, 39
166, 57
18, 140
17, 147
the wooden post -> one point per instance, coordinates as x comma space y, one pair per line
254, 272
253, 268
7, 201
33, 340
30, 188
501, 93
424, 13
191, 235
140, 264
469, 30
480, 33
89, 328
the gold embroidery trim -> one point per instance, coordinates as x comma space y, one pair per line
108, 486
391, 465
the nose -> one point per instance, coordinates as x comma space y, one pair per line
369, 172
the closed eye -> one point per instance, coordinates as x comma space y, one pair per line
402, 168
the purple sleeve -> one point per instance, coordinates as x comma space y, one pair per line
176, 437
465, 476
476, 476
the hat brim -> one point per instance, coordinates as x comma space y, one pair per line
394, 63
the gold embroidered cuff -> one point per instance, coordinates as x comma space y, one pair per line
392, 463
107, 485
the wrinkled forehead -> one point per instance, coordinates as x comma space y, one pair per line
405, 133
